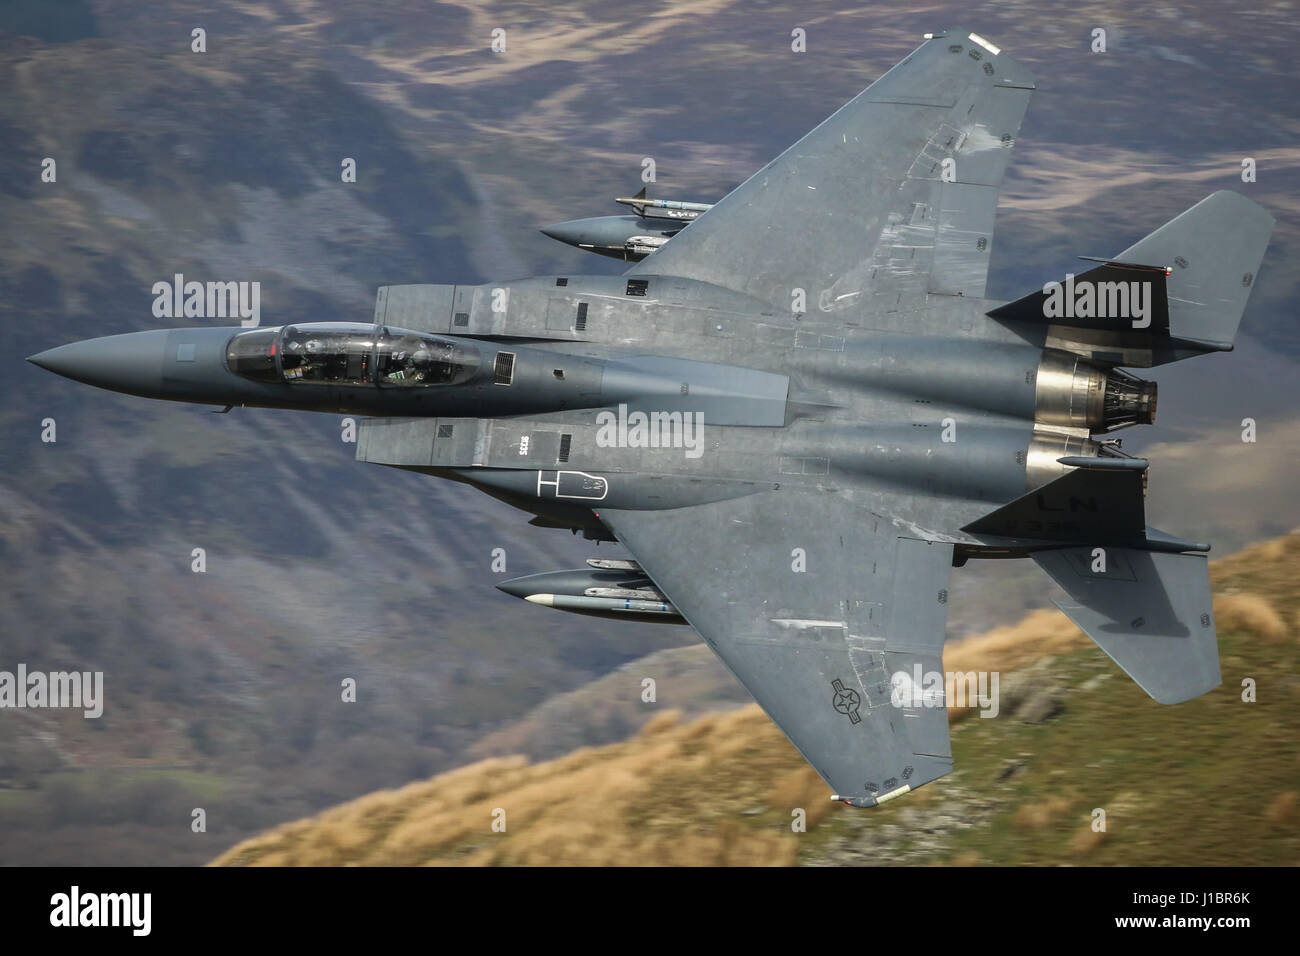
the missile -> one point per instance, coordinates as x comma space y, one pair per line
635, 594
613, 564
672, 208
612, 589
606, 607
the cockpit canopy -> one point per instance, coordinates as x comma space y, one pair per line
343, 354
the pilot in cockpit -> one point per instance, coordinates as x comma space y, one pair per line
396, 366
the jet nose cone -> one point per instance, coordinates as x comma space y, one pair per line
564, 232
124, 363
597, 231
48, 360
518, 587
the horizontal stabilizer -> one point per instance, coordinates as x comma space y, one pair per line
1100, 501
1213, 250
1115, 297
1152, 612
1179, 292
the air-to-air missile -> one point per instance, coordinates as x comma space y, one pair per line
606, 588
671, 208
630, 238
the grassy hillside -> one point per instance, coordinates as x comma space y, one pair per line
1213, 781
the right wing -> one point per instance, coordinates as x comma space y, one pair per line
857, 213
831, 620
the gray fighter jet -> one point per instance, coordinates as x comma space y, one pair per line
801, 414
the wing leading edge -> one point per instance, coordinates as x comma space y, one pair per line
890, 199
827, 616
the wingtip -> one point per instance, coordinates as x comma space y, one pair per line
862, 803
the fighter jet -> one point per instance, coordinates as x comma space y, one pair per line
802, 413
630, 238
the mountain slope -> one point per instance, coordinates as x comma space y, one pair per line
1213, 781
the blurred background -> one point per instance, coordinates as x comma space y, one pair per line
222, 689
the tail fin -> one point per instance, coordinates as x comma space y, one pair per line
1150, 611
1198, 270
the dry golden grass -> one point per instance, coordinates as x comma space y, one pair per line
581, 809
661, 722
1035, 816
1271, 551
1086, 841
801, 788
1282, 811
1249, 612
1038, 634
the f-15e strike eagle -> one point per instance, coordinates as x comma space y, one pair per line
801, 413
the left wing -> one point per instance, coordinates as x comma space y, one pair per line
891, 199
830, 617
